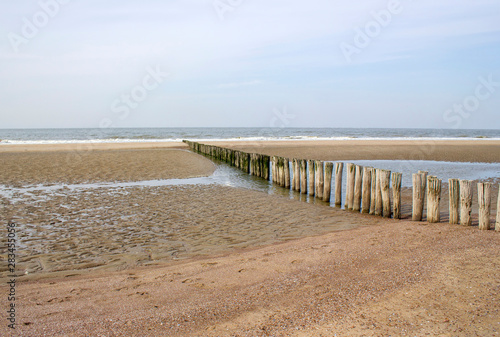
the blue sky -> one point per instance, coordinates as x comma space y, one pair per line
328, 63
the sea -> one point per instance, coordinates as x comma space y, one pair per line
122, 135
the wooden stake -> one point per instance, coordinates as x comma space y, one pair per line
297, 173
303, 176
465, 202
367, 183
433, 199
373, 191
252, 163
424, 187
281, 172
265, 166
454, 196
260, 166
339, 168
327, 191
484, 198
358, 188
294, 175
276, 170
497, 223
247, 162
379, 206
418, 195
351, 183
396, 194
286, 168
310, 166
320, 179
385, 188
237, 159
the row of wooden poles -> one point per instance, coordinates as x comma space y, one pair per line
368, 189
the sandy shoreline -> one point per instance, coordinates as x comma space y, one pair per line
394, 278
471, 150
487, 151
188, 260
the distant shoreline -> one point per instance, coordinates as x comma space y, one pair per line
248, 139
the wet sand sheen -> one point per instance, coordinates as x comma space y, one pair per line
125, 227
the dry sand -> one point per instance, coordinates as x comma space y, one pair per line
196, 260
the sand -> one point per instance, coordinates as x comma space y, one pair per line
51, 167
478, 150
220, 261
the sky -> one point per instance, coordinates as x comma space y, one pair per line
242, 63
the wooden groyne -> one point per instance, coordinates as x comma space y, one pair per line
368, 190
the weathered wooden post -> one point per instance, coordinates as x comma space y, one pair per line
243, 156
396, 194
265, 161
253, 163
385, 188
273, 169
454, 195
261, 166
373, 191
484, 198
424, 182
379, 206
465, 202
339, 168
347, 187
258, 165
433, 199
366, 190
303, 176
310, 166
286, 167
277, 171
418, 196
237, 159
281, 173
246, 158
320, 179
358, 188
327, 191
294, 175
351, 183
497, 223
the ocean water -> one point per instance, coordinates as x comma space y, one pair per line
117, 135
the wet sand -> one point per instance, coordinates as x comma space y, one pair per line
220, 261
478, 150
116, 229
113, 165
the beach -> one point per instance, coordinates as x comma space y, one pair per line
216, 260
